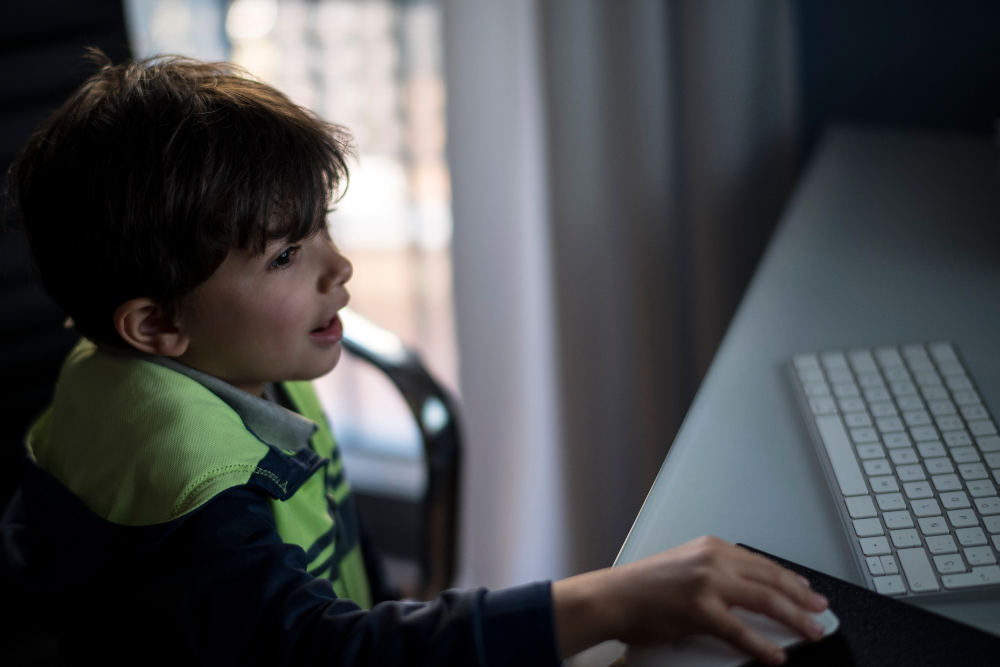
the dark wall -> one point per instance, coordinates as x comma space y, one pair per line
924, 63
42, 43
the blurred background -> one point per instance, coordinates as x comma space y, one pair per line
557, 203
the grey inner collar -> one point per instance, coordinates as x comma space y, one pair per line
272, 424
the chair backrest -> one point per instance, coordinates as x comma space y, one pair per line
435, 413
41, 63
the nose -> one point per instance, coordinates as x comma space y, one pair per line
337, 269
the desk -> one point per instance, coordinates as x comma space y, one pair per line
890, 237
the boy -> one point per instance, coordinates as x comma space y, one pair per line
184, 499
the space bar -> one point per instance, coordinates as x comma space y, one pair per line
838, 448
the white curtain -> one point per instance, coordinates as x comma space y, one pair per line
617, 170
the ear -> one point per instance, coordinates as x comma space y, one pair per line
141, 323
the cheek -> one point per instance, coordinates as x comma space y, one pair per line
285, 315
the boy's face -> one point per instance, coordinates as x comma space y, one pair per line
271, 317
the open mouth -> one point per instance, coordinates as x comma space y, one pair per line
329, 332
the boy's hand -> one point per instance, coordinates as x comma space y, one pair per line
684, 591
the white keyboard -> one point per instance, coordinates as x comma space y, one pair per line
913, 458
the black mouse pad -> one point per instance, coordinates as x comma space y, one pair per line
876, 630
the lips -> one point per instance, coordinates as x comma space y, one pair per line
328, 333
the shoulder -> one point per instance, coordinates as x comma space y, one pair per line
139, 443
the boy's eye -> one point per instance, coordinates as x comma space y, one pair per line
285, 258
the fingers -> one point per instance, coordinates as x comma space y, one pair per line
765, 600
757, 568
732, 630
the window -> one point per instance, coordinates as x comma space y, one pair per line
375, 67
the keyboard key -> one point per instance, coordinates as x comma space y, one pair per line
966, 397
925, 507
868, 527
980, 576
816, 389
894, 520
939, 466
874, 546
971, 412
941, 544
845, 390
946, 482
924, 433
914, 352
942, 352
917, 569
941, 408
958, 383
884, 484
952, 370
904, 456
888, 357
981, 487
862, 361
996, 543
965, 454
840, 375
932, 525
972, 471
857, 419
931, 449
948, 564
904, 538
870, 380
897, 375
970, 537
871, 451
893, 440
910, 473
831, 360
861, 507
890, 501
934, 393
986, 506
957, 439
889, 424
903, 388
851, 404
949, 423
993, 459
980, 556
811, 375
881, 407
982, 427
861, 435
992, 524
916, 418
875, 565
822, 405
910, 403
962, 518
988, 443
876, 467
838, 449
955, 500
889, 564
805, 361
926, 378
918, 490
891, 585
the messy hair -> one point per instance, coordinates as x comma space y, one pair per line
152, 171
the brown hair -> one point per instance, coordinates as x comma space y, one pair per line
146, 177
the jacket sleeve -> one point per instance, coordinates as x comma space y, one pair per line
224, 589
